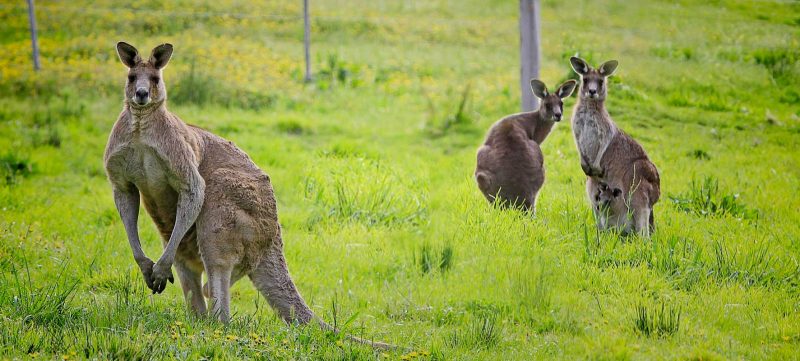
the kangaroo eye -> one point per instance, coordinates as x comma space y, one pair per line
131, 78
155, 79
600, 82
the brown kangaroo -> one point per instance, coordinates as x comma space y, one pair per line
510, 166
215, 209
610, 156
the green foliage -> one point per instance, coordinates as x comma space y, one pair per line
198, 88
652, 321
430, 259
13, 166
372, 163
704, 198
483, 332
365, 191
699, 154
754, 266
335, 72
293, 127
46, 305
783, 64
459, 121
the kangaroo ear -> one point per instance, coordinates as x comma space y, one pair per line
579, 65
566, 89
128, 54
538, 88
608, 67
617, 192
160, 55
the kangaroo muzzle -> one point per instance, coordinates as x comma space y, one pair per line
142, 96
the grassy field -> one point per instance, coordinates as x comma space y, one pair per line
386, 233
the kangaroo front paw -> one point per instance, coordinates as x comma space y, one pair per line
589, 169
159, 277
146, 266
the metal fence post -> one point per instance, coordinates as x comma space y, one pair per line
307, 40
529, 52
34, 37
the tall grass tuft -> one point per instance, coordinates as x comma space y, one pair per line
198, 88
654, 321
752, 267
482, 333
704, 198
460, 121
45, 304
781, 63
431, 259
368, 193
13, 167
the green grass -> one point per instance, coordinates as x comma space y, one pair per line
386, 232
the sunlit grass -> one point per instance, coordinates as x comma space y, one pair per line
386, 234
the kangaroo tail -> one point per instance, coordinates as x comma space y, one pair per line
375, 344
271, 278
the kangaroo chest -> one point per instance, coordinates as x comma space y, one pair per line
143, 166
592, 133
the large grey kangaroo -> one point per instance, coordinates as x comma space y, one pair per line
510, 164
611, 157
215, 209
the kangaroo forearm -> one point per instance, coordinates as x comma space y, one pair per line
190, 202
127, 203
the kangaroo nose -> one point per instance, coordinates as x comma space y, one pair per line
557, 116
592, 91
141, 93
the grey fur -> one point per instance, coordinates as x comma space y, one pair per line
510, 166
609, 208
609, 156
215, 209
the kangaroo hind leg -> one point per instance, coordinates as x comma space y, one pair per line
190, 283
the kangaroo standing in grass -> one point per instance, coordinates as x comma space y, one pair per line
214, 208
510, 163
611, 157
